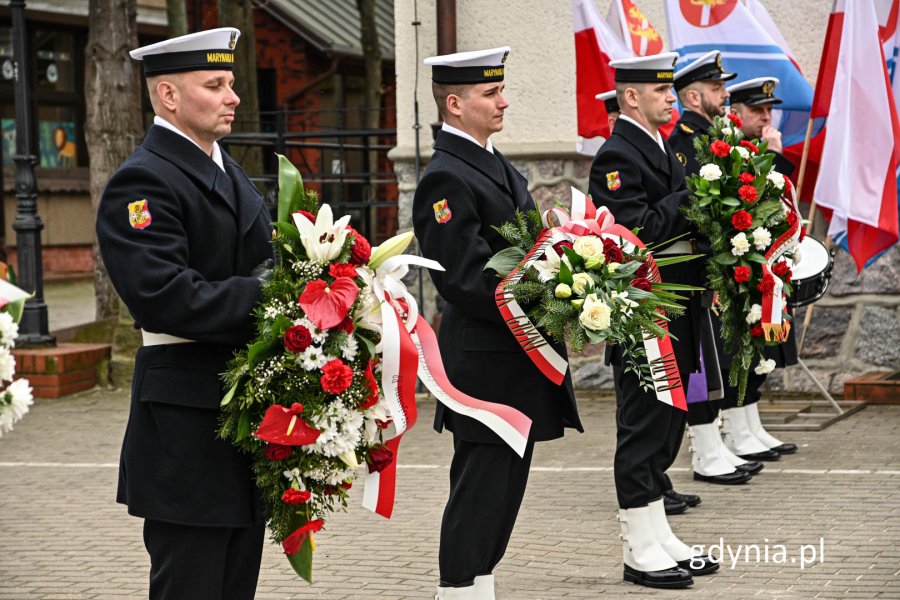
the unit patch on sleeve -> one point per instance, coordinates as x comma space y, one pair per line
442, 212
612, 181
139, 214
681, 158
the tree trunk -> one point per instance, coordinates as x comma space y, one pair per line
239, 13
113, 117
176, 13
368, 37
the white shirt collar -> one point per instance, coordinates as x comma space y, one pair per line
216, 155
451, 129
656, 138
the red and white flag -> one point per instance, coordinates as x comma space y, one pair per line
857, 183
634, 28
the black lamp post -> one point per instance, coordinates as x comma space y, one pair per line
33, 328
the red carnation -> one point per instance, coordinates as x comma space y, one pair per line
643, 271
741, 274
372, 384
746, 178
720, 148
741, 220
336, 376
642, 283
781, 269
735, 119
277, 452
767, 284
292, 496
750, 146
342, 270
379, 458
612, 252
756, 330
361, 251
747, 192
558, 246
309, 216
297, 338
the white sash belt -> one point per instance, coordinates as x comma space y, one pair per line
156, 339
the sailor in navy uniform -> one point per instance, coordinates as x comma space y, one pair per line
611, 104
637, 176
469, 188
744, 435
185, 238
701, 90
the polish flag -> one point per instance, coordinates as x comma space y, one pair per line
857, 184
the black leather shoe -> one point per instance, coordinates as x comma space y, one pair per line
785, 448
751, 467
699, 565
726, 479
691, 500
767, 455
676, 577
674, 507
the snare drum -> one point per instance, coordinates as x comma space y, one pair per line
812, 274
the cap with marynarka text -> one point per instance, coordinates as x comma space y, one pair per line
476, 66
754, 92
211, 50
706, 68
610, 102
657, 68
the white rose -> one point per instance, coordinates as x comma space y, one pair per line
711, 172
595, 314
727, 130
588, 246
755, 314
582, 283
761, 238
743, 152
777, 179
739, 244
765, 366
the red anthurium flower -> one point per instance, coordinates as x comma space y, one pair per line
294, 542
283, 425
741, 274
325, 305
735, 119
747, 193
746, 178
720, 148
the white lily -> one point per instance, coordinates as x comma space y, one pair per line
324, 239
547, 269
349, 458
392, 247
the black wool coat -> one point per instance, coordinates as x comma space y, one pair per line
186, 273
643, 186
481, 190
689, 126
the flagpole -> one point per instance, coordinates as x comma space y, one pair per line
807, 317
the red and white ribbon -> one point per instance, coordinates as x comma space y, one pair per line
409, 350
775, 327
585, 219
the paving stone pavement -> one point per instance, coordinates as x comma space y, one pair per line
62, 536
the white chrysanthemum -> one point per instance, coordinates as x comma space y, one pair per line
777, 179
9, 330
595, 314
762, 237
765, 366
14, 403
582, 283
340, 430
330, 476
312, 358
711, 172
755, 314
349, 348
743, 152
739, 244
547, 268
318, 336
7, 365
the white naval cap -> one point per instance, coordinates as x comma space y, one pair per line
656, 68
706, 68
475, 66
754, 92
201, 51
610, 102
